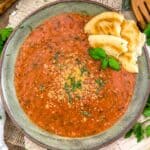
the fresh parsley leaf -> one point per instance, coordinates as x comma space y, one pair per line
138, 131
146, 112
1, 48
97, 53
5, 33
148, 42
1, 41
114, 64
1, 44
147, 131
148, 102
147, 31
104, 64
129, 133
100, 82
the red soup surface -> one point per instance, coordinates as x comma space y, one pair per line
61, 88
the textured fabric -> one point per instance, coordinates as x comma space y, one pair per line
25, 7
2, 121
14, 135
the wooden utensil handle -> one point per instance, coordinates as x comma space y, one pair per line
4, 4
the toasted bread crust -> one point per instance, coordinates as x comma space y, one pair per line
131, 33
105, 23
114, 46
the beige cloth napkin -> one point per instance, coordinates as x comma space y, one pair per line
14, 135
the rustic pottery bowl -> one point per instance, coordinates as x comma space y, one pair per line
18, 116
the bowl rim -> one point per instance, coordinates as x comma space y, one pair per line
1, 63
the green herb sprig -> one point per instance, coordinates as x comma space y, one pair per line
4, 34
106, 61
72, 87
141, 129
147, 33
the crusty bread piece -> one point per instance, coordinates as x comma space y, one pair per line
129, 62
4, 4
131, 33
105, 23
140, 45
112, 45
119, 38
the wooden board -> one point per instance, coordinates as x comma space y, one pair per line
5, 17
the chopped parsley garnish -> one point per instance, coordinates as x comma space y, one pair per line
71, 86
56, 57
82, 67
41, 87
106, 61
83, 70
86, 113
100, 84
74, 84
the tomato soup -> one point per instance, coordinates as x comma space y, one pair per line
61, 88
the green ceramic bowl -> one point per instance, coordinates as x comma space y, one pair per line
16, 113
